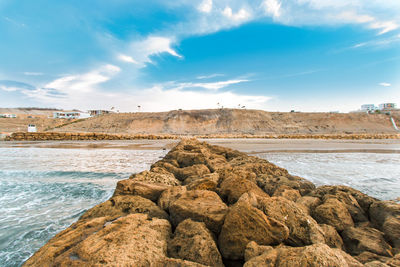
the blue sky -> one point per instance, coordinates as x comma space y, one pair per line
307, 55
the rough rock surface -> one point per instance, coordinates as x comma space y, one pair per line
257, 213
194, 242
199, 205
314, 256
245, 223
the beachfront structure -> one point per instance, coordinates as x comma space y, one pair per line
387, 106
368, 107
98, 112
66, 115
32, 128
8, 116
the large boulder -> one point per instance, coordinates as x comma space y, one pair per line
287, 192
303, 229
146, 190
119, 206
133, 240
153, 177
358, 240
312, 256
385, 215
199, 205
332, 237
170, 195
357, 213
233, 188
269, 183
194, 242
308, 203
335, 213
245, 223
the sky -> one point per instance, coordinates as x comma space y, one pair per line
157, 55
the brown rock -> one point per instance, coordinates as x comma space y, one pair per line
197, 170
210, 176
255, 250
146, 190
287, 192
386, 216
367, 256
171, 262
194, 242
335, 213
363, 200
151, 177
308, 203
269, 183
245, 223
375, 264
332, 237
358, 240
202, 184
303, 229
170, 195
133, 240
395, 261
120, 206
313, 256
233, 188
356, 212
199, 205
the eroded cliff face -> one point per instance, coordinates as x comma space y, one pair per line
234, 121
204, 205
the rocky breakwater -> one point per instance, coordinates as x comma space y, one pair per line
204, 205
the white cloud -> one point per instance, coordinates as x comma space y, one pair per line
209, 86
33, 73
385, 84
384, 26
9, 88
272, 7
84, 82
127, 58
241, 15
201, 77
205, 6
152, 45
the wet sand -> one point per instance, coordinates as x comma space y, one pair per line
252, 146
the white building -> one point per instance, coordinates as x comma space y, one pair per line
368, 107
32, 128
66, 115
8, 116
387, 106
98, 112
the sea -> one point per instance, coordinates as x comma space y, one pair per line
43, 190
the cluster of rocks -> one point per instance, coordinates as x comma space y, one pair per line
59, 136
204, 205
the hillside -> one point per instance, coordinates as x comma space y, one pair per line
234, 121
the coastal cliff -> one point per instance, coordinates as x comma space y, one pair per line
204, 205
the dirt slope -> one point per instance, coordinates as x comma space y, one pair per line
233, 121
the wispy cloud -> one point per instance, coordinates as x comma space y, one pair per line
210, 85
127, 58
384, 84
27, 73
201, 77
240, 16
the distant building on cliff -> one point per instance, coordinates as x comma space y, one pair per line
98, 112
368, 107
387, 106
8, 116
66, 115
32, 128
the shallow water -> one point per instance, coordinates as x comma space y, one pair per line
376, 174
44, 190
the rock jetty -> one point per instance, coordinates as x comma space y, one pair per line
60, 136
204, 205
